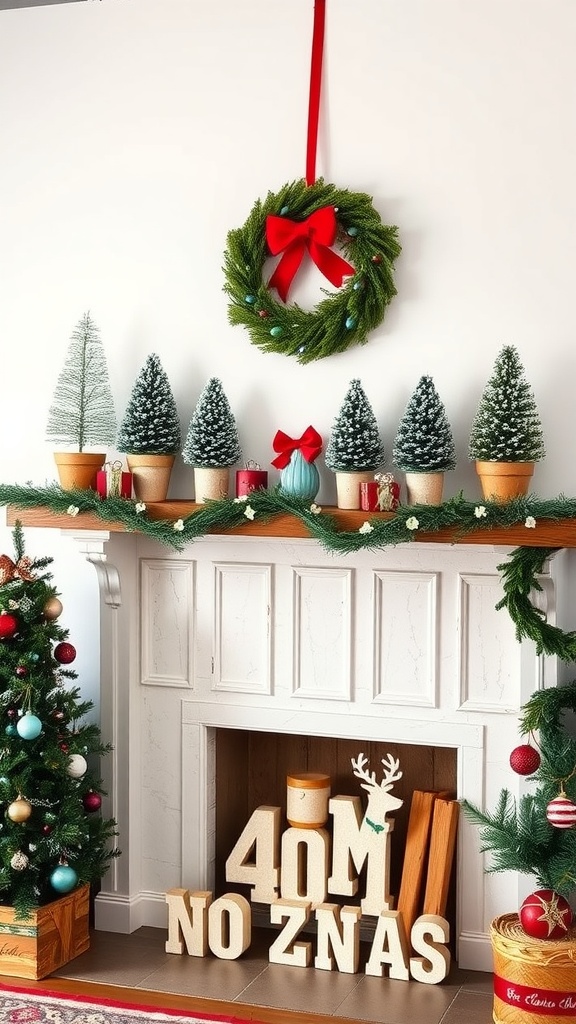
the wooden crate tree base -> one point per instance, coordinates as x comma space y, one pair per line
42, 943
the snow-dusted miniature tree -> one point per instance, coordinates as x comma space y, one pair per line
355, 443
82, 409
150, 425
212, 438
424, 441
507, 426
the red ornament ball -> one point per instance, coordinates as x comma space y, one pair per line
21, 671
561, 812
524, 759
64, 653
92, 801
8, 626
545, 915
46, 829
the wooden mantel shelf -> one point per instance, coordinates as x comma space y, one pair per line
546, 533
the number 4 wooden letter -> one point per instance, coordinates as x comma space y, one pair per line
260, 839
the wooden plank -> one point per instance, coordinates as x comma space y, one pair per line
441, 856
415, 852
546, 533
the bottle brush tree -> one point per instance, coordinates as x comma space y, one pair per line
507, 426
212, 438
150, 424
424, 441
53, 837
355, 443
536, 835
82, 409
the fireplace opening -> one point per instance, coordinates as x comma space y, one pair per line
251, 771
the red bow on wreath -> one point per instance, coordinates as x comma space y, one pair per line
10, 570
310, 444
291, 237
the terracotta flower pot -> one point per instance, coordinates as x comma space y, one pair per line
77, 470
424, 488
348, 487
502, 481
211, 483
150, 475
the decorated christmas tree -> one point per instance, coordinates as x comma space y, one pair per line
507, 427
536, 835
150, 424
82, 409
212, 438
52, 837
424, 441
355, 443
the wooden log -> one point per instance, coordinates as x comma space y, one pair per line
415, 852
441, 856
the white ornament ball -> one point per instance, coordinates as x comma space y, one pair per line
19, 861
77, 766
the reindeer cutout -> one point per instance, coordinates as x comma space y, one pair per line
360, 840
380, 800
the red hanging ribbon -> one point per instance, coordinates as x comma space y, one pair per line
310, 444
315, 84
317, 234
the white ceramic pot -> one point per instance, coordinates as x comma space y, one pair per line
348, 487
211, 482
424, 488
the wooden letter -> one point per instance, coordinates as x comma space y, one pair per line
389, 946
429, 935
229, 926
355, 840
261, 836
187, 918
339, 931
284, 950
304, 863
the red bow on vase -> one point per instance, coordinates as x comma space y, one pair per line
290, 237
310, 444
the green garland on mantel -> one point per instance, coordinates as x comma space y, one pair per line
519, 574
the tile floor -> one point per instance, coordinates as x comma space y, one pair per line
139, 961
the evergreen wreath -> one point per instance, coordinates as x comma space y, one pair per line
340, 320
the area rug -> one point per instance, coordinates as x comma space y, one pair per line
23, 1006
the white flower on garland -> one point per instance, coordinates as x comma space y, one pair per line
249, 512
366, 528
240, 498
412, 523
315, 509
179, 525
140, 507
72, 510
480, 512
530, 522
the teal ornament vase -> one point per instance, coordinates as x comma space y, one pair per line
300, 479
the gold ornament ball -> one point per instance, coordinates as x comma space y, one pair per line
20, 809
52, 609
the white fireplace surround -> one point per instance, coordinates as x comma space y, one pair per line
402, 644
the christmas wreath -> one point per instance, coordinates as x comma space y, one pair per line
310, 218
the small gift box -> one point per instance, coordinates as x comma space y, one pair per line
388, 492
380, 495
111, 482
250, 478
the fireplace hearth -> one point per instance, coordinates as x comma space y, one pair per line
227, 664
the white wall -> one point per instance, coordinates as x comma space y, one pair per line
136, 133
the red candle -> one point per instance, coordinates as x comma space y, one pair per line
248, 480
